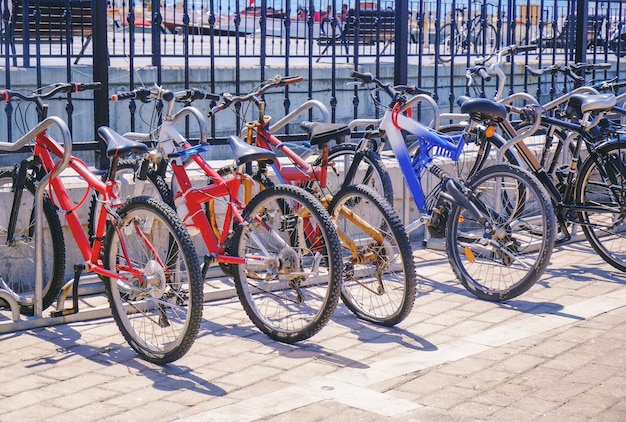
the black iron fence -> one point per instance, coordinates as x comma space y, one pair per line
427, 43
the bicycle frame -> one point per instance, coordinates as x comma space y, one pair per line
413, 167
170, 139
45, 149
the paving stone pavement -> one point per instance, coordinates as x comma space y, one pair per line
558, 352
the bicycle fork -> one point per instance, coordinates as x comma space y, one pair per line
18, 187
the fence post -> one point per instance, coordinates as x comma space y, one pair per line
157, 20
100, 74
401, 42
582, 13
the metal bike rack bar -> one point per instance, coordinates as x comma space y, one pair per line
39, 192
300, 110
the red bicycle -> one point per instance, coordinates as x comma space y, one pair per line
281, 248
139, 248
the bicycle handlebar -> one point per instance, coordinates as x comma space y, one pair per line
61, 88
275, 82
509, 50
569, 70
393, 91
155, 93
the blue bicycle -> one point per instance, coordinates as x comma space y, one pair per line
499, 225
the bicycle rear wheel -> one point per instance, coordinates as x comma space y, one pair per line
289, 285
379, 280
158, 310
450, 42
17, 254
370, 171
601, 186
502, 254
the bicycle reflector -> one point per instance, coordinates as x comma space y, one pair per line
490, 131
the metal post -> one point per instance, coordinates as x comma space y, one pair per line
100, 74
582, 14
401, 42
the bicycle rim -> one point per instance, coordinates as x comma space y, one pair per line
158, 313
502, 257
17, 256
379, 280
604, 189
371, 171
289, 286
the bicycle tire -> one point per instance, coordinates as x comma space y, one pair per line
450, 42
17, 258
485, 43
289, 302
477, 152
379, 279
161, 321
602, 182
371, 172
521, 236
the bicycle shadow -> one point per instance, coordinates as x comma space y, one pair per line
313, 348
378, 334
307, 349
169, 377
591, 269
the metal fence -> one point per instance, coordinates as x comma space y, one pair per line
88, 36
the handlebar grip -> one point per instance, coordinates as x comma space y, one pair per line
5, 95
288, 80
415, 90
482, 72
366, 78
190, 95
88, 86
541, 72
167, 95
142, 94
201, 95
524, 48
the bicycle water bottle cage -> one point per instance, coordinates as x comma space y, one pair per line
579, 104
322, 133
117, 145
483, 110
245, 153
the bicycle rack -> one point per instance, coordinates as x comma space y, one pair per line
17, 323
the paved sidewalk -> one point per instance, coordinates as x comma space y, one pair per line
558, 352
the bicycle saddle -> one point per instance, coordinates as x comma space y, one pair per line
321, 133
579, 104
482, 109
119, 145
246, 153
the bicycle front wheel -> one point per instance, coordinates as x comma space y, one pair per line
159, 305
601, 191
485, 41
501, 254
379, 280
289, 285
17, 250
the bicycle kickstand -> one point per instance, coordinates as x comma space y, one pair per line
73, 285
